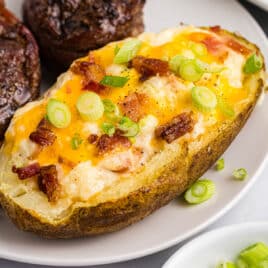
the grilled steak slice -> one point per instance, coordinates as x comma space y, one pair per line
68, 29
19, 67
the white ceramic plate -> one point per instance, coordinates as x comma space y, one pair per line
176, 221
261, 3
209, 249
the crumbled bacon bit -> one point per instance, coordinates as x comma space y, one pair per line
238, 47
106, 143
43, 135
27, 172
177, 127
132, 106
148, 67
48, 182
213, 44
215, 29
92, 74
92, 138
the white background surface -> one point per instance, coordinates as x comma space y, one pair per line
252, 207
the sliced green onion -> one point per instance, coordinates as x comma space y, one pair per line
226, 265
90, 106
76, 141
128, 51
116, 49
108, 128
200, 191
111, 110
240, 263
199, 49
225, 108
175, 62
253, 64
254, 254
58, 113
190, 70
114, 81
204, 98
263, 264
129, 127
240, 174
220, 164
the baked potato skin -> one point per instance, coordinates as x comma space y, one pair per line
112, 216
115, 215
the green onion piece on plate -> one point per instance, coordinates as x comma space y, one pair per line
190, 70
240, 174
254, 254
226, 265
128, 51
58, 113
114, 81
129, 127
200, 191
108, 128
263, 264
220, 164
111, 110
253, 64
199, 49
240, 263
90, 106
76, 141
204, 98
175, 63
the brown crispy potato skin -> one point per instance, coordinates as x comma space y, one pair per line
112, 216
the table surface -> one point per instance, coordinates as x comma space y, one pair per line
247, 210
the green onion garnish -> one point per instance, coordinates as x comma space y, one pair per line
175, 63
204, 98
240, 174
114, 81
263, 264
199, 49
111, 110
253, 64
76, 141
220, 164
108, 128
200, 191
116, 49
190, 70
128, 51
129, 127
226, 265
225, 108
90, 106
58, 113
254, 254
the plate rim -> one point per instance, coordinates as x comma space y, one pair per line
224, 229
29, 259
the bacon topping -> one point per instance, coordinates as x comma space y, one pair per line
132, 106
106, 143
238, 47
92, 138
43, 135
63, 160
27, 172
92, 74
148, 67
177, 127
48, 182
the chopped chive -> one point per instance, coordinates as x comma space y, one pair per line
240, 174
108, 128
114, 81
76, 141
90, 106
128, 51
253, 64
204, 98
58, 113
129, 127
220, 164
200, 191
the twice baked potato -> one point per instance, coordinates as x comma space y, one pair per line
127, 129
